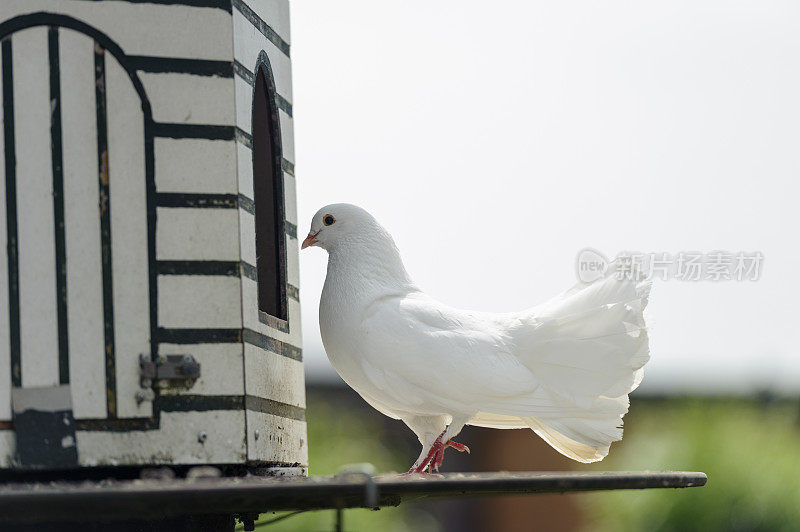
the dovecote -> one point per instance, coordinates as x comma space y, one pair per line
149, 307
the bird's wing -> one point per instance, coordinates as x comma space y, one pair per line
589, 342
421, 351
563, 368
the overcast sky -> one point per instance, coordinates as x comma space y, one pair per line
495, 140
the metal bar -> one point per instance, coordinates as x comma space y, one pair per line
56, 150
11, 214
105, 227
154, 499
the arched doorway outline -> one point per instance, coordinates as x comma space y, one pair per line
264, 67
47, 19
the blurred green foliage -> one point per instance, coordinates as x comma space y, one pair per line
749, 449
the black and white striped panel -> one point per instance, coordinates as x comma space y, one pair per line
262, 28
182, 51
272, 354
187, 29
75, 305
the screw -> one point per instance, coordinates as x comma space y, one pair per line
144, 395
202, 436
256, 434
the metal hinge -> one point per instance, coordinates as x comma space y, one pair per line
167, 371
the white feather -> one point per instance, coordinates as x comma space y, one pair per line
563, 368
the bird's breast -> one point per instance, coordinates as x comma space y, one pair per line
339, 328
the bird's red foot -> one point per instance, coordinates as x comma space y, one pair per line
440, 447
435, 456
431, 455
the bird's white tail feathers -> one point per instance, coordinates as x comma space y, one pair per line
587, 348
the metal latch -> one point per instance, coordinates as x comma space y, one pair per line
167, 371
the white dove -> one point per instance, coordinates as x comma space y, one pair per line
563, 368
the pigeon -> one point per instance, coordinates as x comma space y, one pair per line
563, 368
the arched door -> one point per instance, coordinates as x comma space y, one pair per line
269, 200
77, 218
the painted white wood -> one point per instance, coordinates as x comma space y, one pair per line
296, 326
250, 305
185, 98
221, 367
251, 321
128, 236
247, 231
292, 261
82, 226
195, 165
245, 169
5, 352
197, 234
8, 448
244, 103
280, 439
176, 442
274, 376
182, 165
37, 283
290, 204
146, 28
244, 116
287, 135
250, 308
199, 301
248, 42
275, 13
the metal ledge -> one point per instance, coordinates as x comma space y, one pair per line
157, 499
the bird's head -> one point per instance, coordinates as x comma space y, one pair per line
336, 222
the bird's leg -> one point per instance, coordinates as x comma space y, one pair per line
460, 447
437, 462
433, 458
428, 429
451, 431
425, 457
437, 452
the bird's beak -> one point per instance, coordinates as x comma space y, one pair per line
310, 240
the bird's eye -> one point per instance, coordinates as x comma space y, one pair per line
328, 219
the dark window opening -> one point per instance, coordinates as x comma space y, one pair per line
268, 192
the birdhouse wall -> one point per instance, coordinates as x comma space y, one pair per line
273, 359
178, 85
